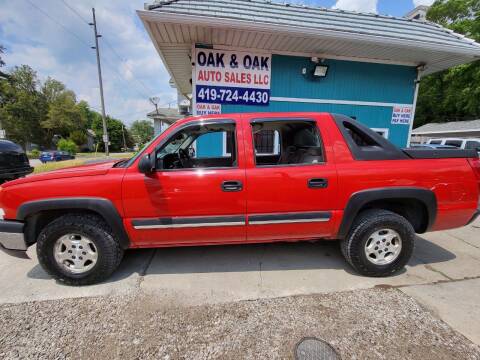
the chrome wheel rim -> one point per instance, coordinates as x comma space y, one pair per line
75, 253
383, 246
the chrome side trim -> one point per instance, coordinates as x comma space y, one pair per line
188, 222
286, 221
289, 218
176, 226
235, 220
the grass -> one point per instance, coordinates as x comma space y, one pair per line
57, 165
81, 158
126, 155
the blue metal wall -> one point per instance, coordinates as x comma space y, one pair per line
210, 145
346, 80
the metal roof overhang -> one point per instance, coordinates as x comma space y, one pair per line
175, 34
470, 132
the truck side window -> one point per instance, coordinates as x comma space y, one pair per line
199, 146
472, 144
456, 143
294, 142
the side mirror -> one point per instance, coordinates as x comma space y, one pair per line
146, 165
478, 149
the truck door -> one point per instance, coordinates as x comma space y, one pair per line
291, 177
197, 193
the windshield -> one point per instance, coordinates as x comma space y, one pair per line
175, 144
130, 161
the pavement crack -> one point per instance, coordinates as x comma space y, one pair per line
466, 242
431, 268
144, 270
260, 273
260, 263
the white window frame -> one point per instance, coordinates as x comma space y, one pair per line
276, 145
385, 131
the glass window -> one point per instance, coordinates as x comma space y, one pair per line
359, 137
287, 143
267, 142
382, 132
435, 142
471, 144
199, 146
457, 143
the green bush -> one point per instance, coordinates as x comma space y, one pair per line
34, 154
67, 145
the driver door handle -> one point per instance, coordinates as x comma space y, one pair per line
317, 183
232, 185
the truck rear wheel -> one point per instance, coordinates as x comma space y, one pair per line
78, 249
379, 243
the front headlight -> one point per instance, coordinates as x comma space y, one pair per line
2, 214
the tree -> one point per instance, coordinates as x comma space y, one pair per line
86, 114
67, 145
2, 63
64, 115
453, 94
22, 107
79, 137
142, 131
116, 130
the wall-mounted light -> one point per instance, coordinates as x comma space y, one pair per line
316, 70
320, 71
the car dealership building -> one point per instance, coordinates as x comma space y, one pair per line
263, 56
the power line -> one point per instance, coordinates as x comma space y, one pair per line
149, 90
113, 67
58, 23
127, 66
122, 78
75, 12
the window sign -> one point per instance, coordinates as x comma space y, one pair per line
232, 77
402, 114
208, 109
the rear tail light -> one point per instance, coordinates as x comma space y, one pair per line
475, 163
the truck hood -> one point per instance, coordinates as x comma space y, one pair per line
74, 171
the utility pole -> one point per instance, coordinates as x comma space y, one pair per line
124, 141
155, 100
104, 118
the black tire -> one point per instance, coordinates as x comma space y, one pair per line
94, 227
369, 221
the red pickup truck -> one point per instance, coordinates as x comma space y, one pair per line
274, 177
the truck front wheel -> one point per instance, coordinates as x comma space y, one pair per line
78, 249
379, 243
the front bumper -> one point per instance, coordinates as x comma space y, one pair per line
12, 239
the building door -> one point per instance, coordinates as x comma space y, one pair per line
197, 195
291, 192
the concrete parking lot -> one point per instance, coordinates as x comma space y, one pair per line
443, 277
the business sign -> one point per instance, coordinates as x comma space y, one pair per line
402, 114
232, 77
207, 109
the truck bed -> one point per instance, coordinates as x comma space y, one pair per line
440, 153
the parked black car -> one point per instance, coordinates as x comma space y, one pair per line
13, 161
